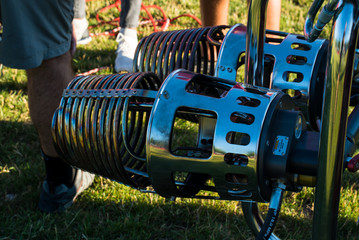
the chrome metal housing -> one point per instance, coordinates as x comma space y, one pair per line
231, 116
291, 64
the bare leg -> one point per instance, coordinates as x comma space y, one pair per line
45, 86
273, 15
214, 12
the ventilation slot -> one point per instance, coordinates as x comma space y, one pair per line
300, 46
236, 159
237, 178
241, 117
238, 138
248, 102
296, 60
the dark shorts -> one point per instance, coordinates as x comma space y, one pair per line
34, 30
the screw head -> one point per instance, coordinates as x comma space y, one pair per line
166, 94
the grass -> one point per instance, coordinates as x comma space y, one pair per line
109, 210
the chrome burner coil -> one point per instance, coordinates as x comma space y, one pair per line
87, 126
192, 49
123, 127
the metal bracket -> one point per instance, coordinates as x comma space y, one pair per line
109, 93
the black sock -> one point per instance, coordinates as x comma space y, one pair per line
58, 172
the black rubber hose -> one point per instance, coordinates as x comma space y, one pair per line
270, 221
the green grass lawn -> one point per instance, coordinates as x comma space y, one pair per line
109, 210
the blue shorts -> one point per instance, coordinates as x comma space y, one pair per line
34, 30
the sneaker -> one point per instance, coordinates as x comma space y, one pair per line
81, 30
61, 197
126, 48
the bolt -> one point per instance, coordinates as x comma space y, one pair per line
166, 94
267, 143
222, 68
353, 164
229, 69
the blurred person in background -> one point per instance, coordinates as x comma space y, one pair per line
38, 37
215, 12
127, 39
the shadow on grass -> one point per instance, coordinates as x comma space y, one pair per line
20, 161
142, 216
17, 137
88, 59
109, 210
13, 86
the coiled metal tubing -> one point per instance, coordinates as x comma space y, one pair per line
195, 50
88, 125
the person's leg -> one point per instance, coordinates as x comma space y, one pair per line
130, 13
214, 12
79, 8
48, 64
127, 37
80, 23
273, 14
45, 86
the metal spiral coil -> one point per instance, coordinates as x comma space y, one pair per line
101, 124
123, 127
195, 50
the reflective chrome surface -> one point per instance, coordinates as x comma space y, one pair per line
87, 125
176, 94
192, 49
121, 126
312, 31
334, 120
257, 15
296, 66
232, 48
352, 132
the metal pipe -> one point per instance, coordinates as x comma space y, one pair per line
334, 120
352, 132
254, 61
312, 33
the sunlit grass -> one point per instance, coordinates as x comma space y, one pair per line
109, 210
